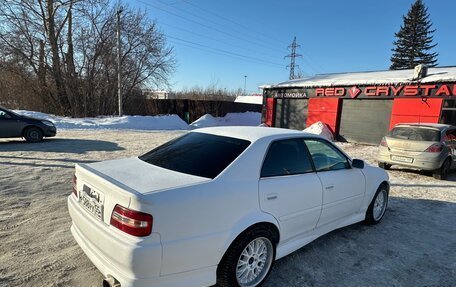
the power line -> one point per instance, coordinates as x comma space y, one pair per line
211, 38
218, 53
207, 26
212, 49
226, 52
233, 22
216, 23
307, 59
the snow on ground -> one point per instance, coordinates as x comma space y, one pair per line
231, 119
163, 122
414, 245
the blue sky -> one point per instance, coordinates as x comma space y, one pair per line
219, 42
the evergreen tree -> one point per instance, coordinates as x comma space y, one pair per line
414, 40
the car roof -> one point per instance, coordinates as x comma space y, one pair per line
5, 109
425, 125
252, 133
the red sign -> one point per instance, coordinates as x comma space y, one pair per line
443, 90
354, 92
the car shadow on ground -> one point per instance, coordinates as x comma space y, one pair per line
65, 160
451, 175
41, 162
60, 145
414, 243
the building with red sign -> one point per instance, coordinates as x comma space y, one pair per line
363, 107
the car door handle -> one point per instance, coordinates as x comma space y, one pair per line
329, 187
271, 196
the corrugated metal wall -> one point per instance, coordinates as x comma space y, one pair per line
291, 113
365, 121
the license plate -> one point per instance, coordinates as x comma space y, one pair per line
92, 203
402, 158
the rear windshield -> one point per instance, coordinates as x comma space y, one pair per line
415, 134
197, 154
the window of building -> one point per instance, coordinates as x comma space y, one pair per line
448, 115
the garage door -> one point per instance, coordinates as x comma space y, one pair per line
365, 121
291, 113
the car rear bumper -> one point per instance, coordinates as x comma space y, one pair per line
428, 162
131, 261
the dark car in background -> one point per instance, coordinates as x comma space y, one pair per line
13, 125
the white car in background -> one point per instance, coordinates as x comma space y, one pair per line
218, 205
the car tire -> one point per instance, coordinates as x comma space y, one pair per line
384, 165
241, 261
33, 134
378, 206
443, 171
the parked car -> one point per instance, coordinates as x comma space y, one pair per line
423, 146
13, 125
218, 205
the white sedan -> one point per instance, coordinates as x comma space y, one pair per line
218, 205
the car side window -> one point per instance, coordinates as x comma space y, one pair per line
286, 157
325, 156
4, 115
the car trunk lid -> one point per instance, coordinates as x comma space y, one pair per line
408, 146
412, 139
141, 176
104, 184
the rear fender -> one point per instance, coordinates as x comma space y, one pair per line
243, 224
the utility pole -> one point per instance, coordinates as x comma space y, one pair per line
293, 56
245, 85
119, 68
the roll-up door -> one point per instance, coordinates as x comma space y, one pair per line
291, 113
365, 121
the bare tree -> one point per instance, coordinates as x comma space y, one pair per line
68, 47
210, 93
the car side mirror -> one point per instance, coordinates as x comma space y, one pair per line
358, 163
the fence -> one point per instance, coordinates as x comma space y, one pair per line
195, 109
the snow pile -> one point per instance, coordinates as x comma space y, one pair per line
167, 122
205, 121
438, 74
320, 129
258, 100
231, 119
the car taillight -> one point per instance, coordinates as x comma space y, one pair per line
74, 183
132, 222
434, 148
383, 142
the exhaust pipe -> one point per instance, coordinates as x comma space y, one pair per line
110, 282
